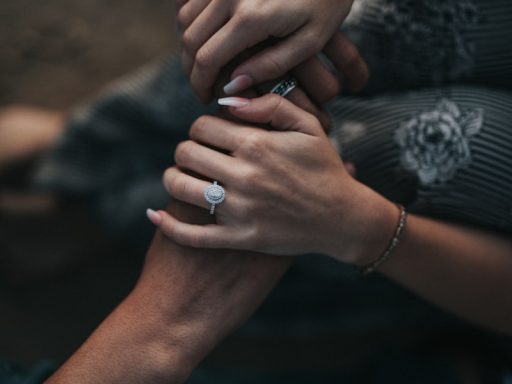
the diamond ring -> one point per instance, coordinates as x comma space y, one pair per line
285, 87
214, 194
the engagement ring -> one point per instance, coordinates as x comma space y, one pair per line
214, 194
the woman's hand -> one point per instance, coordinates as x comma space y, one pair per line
287, 191
217, 31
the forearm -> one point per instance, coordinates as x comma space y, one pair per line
184, 304
463, 270
130, 346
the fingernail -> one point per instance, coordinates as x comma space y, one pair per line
236, 102
238, 84
154, 217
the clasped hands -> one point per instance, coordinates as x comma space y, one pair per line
287, 191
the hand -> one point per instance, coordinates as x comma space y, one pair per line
298, 96
287, 191
206, 294
185, 302
217, 31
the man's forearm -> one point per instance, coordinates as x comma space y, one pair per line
130, 346
185, 303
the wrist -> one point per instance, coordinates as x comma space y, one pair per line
368, 231
176, 340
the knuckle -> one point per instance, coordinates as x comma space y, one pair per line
188, 41
205, 58
243, 210
275, 66
168, 229
309, 119
177, 186
183, 16
330, 90
254, 145
252, 181
248, 13
167, 179
199, 127
184, 152
276, 103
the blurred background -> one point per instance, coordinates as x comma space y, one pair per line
59, 274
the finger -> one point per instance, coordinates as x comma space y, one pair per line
275, 61
211, 19
187, 62
232, 39
180, 3
301, 100
346, 57
211, 236
185, 188
206, 162
279, 113
189, 189
222, 134
318, 81
189, 11
298, 97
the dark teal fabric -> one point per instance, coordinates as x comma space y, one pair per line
11, 373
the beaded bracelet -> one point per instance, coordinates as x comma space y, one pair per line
394, 243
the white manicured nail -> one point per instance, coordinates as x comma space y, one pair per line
154, 217
236, 102
238, 84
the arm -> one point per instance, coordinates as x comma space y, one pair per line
185, 302
461, 269
317, 207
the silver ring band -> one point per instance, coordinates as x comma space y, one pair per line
285, 87
214, 194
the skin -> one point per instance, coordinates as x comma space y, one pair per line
316, 206
189, 298
215, 32
259, 213
184, 303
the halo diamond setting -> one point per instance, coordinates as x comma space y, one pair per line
214, 194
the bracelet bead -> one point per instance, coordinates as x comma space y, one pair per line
395, 241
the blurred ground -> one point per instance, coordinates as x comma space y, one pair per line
55, 53
58, 275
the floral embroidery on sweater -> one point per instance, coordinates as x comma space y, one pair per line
435, 144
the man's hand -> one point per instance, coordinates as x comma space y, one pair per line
185, 302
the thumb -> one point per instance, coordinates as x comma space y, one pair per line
275, 111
